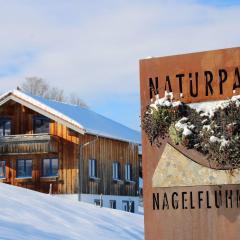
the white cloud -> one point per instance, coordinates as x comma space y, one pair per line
94, 50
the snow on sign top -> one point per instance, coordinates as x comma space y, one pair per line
79, 119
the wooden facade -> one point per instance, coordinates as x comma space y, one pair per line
64, 144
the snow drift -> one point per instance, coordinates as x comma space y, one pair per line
26, 214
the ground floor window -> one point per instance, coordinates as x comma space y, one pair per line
24, 168
128, 172
113, 204
128, 206
98, 202
92, 168
50, 167
2, 169
116, 170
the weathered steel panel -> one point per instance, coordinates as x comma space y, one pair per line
189, 212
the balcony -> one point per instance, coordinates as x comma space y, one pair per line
28, 144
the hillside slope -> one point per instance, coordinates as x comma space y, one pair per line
25, 214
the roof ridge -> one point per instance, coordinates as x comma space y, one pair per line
49, 99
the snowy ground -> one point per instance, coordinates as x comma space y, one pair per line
25, 214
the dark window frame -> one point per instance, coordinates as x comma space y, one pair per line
4, 170
116, 170
3, 122
51, 168
128, 172
25, 168
98, 202
42, 119
125, 203
113, 204
92, 168
130, 206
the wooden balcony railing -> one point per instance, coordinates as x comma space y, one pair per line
28, 144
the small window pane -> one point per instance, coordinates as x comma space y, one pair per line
128, 174
2, 169
45, 126
131, 206
92, 170
1, 131
125, 206
20, 168
116, 168
24, 168
114, 171
54, 167
89, 168
46, 167
7, 127
37, 123
119, 170
113, 204
41, 125
50, 167
28, 168
128, 206
97, 202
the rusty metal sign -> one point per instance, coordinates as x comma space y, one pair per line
185, 198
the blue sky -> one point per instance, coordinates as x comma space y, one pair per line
220, 3
92, 48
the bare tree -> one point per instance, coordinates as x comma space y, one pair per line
35, 86
76, 100
56, 94
38, 87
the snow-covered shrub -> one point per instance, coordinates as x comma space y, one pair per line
156, 122
212, 128
158, 118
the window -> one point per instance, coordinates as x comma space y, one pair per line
5, 127
50, 167
116, 170
98, 202
128, 206
2, 169
131, 206
41, 124
92, 170
128, 172
24, 168
125, 206
113, 204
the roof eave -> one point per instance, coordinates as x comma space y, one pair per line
113, 137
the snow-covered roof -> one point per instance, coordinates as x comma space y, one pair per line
80, 119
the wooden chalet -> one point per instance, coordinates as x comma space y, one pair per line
65, 149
